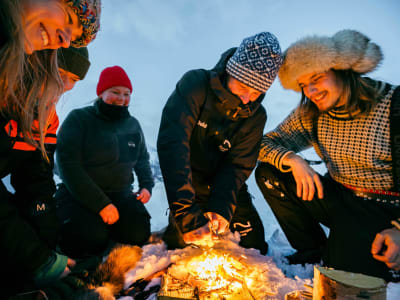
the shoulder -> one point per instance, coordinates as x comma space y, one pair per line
194, 80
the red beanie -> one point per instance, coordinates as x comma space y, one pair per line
113, 76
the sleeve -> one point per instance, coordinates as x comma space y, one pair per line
21, 248
178, 120
71, 165
294, 134
142, 167
237, 167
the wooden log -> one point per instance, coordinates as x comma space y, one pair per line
335, 284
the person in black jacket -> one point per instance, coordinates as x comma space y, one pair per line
98, 149
28, 206
208, 142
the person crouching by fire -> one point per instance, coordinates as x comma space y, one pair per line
349, 120
208, 144
31, 176
99, 147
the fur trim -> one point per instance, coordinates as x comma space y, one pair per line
347, 49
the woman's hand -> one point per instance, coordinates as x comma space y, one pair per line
386, 248
109, 214
307, 180
143, 196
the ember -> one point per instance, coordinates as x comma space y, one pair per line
213, 274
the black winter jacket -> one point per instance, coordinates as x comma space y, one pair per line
207, 145
96, 155
32, 179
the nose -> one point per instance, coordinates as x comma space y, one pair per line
64, 38
309, 90
245, 98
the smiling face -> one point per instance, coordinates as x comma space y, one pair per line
244, 92
323, 89
116, 95
49, 24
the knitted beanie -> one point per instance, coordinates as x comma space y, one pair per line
256, 61
346, 50
113, 76
74, 60
88, 12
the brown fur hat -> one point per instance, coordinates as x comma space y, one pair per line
347, 49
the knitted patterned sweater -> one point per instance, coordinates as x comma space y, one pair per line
356, 150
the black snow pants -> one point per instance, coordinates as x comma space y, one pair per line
83, 233
245, 220
353, 221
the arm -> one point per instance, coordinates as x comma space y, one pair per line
279, 148
71, 164
237, 166
179, 117
143, 172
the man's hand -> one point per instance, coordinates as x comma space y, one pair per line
109, 214
386, 248
198, 236
218, 224
307, 180
143, 196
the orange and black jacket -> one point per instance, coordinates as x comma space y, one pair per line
28, 226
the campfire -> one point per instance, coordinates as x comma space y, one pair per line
214, 273
223, 270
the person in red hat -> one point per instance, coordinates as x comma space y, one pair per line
98, 148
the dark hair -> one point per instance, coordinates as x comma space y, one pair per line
361, 94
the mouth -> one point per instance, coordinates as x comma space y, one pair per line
319, 97
45, 35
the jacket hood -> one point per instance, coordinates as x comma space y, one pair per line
230, 104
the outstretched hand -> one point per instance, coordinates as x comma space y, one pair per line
109, 214
218, 224
201, 235
386, 248
307, 180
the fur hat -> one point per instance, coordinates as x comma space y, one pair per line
88, 12
256, 61
346, 50
113, 76
74, 60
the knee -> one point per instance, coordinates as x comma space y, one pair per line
266, 174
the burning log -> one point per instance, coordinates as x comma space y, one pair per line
336, 284
213, 274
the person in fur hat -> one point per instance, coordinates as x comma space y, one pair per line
210, 131
344, 116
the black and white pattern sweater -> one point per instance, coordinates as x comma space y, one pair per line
356, 150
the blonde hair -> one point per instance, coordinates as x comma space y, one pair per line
29, 84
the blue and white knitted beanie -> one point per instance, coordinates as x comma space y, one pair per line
256, 61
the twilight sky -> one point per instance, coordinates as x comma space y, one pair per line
156, 41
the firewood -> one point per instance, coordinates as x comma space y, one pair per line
336, 284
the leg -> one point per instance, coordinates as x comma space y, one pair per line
82, 232
248, 223
133, 226
298, 219
352, 233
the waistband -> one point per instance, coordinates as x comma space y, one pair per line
380, 196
